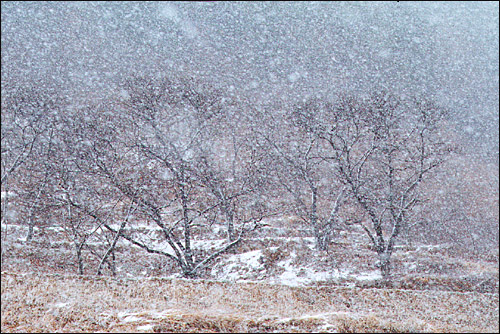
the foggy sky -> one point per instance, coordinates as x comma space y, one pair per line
268, 51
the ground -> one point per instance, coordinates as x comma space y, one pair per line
70, 303
273, 282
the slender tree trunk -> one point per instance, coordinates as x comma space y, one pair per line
111, 249
31, 222
29, 237
188, 255
112, 264
320, 234
385, 265
231, 237
4, 211
79, 257
228, 212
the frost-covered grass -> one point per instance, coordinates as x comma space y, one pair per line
69, 303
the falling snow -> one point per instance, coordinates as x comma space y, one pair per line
269, 146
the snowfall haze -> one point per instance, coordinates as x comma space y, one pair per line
270, 51
249, 166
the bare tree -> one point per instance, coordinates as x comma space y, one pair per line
230, 168
304, 175
28, 118
381, 147
73, 184
157, 151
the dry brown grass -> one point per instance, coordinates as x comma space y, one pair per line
56, 303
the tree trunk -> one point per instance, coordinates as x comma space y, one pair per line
323, 238
79, 258
112, 264
188, 254
385, 265
229, 222
189, 274
29, 237
321, 235
31, 222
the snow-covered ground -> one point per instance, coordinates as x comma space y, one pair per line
250, 266
266, 257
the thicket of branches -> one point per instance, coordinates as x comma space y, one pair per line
183, 158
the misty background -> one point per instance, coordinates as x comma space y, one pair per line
267, 52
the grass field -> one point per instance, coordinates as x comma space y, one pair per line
69, 303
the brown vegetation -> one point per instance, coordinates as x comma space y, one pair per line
57, 303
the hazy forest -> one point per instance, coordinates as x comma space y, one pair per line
249, 167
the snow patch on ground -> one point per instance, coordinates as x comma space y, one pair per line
55, 228
249, 266
295, 276
132, 318
374, 275
252, 258
145, 327
159, 315
232, 268
144, 316
208, 244
55, 308
6, 194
